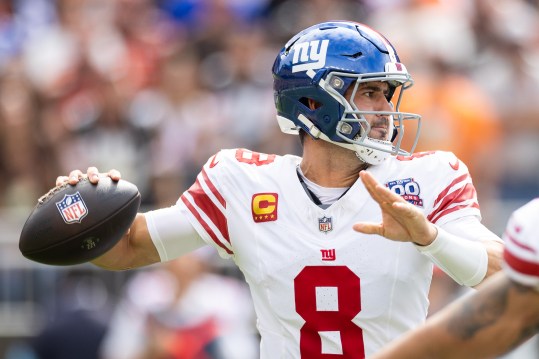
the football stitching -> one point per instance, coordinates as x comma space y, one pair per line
55, 190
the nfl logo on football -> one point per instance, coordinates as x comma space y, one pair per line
72, 208
325, 224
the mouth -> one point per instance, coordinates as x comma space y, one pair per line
379, 130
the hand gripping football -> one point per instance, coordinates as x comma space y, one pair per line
76, 224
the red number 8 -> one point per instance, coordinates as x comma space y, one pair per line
339, 320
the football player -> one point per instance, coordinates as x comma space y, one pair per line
503, 313
321, 289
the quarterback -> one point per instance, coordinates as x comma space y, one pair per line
322, 289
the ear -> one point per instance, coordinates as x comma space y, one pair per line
313, 105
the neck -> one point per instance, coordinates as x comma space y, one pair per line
329, 165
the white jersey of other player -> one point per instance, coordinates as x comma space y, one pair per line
521, 255
320, 289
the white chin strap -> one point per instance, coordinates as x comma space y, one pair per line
370, 155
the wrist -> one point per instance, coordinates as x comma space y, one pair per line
431, 236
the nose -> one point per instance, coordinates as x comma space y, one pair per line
384, 105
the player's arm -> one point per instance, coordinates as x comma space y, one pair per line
137, 247
466, 261
471, 228
493, 320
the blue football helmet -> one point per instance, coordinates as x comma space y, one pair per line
321, 64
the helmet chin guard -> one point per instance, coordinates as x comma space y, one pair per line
324, 62
372, 156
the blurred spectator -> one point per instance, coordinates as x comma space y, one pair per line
183, 310
19, 20
208, 22
240, 76
91, 127
19, 145
145, 39
508, 70
183, 113
98, 55
290, 16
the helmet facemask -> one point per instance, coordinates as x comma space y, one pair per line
354, 128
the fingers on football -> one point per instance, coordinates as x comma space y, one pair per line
93, 174
74, 177
115, 175
60, 180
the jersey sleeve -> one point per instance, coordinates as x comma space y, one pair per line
456, 195
205, 205
521, 255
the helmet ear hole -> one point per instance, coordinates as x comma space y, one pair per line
310, 103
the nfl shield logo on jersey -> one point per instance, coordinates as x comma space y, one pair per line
325, 224
72, 208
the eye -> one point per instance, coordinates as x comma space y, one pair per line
368, 93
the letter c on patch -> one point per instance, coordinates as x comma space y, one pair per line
264, 207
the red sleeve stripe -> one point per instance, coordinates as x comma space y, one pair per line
521, 266
205, 225
206, 205
460, 198
212, 195
212, 188
448, 188
451, 210
508, 237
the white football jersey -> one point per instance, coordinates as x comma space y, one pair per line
521, 255
320, 289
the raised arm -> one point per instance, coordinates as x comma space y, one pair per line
466, 261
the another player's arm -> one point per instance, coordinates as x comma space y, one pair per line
493, 320
404, 222
135, 248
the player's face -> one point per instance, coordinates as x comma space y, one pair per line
371, 96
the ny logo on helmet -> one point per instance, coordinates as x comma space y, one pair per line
310, 55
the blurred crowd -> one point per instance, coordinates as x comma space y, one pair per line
154, 87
